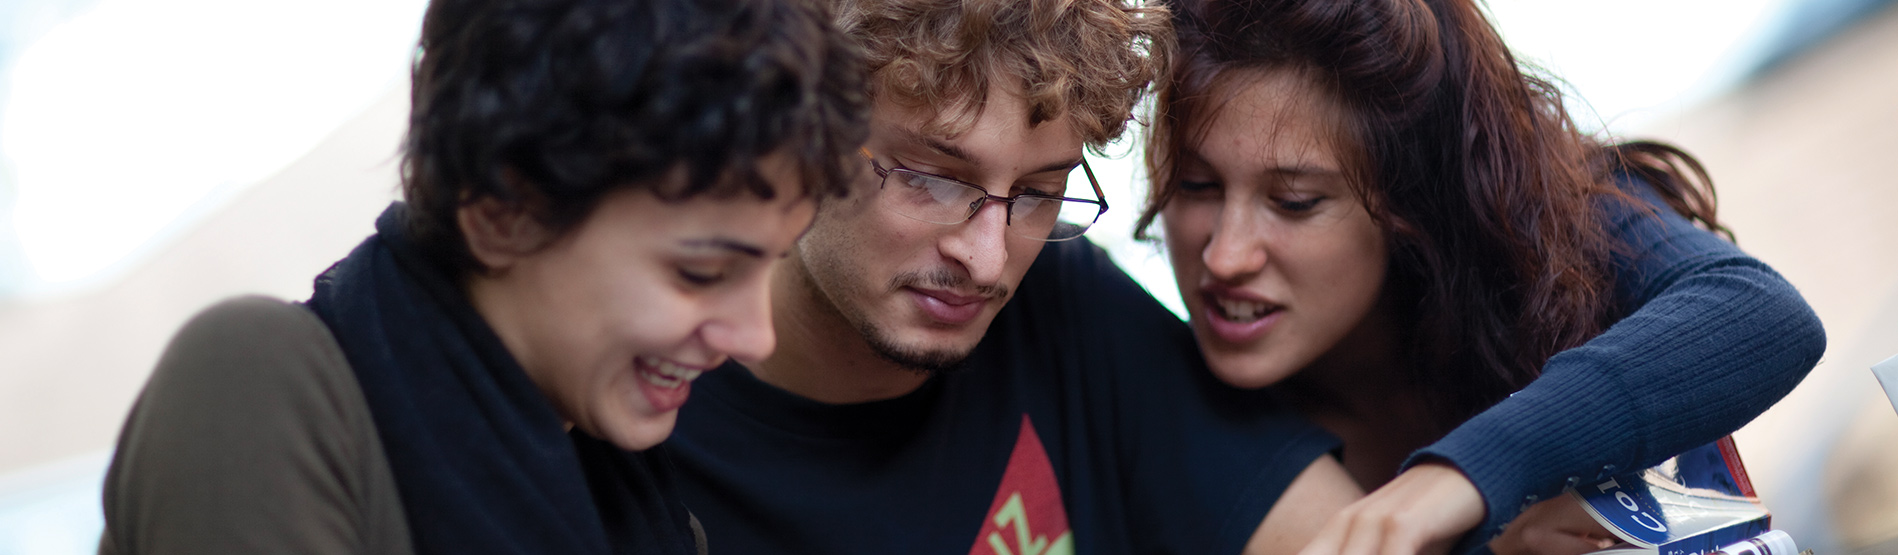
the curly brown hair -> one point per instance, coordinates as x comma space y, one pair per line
1487, 193
1090, 60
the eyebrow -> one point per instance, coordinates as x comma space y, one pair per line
725, 244
1301, 169
958, 153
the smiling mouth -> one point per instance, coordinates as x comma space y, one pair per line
665, 373
1239, 310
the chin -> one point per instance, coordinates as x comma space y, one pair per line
921, 337
933, 357
1246, 369
639, 432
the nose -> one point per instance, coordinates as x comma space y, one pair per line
980, 244
1237, 247
741, 326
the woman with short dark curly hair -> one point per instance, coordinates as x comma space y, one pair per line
1372, 205
597, 194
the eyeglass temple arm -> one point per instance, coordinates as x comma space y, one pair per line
1090, 179
865, 152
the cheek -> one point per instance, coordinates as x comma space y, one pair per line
1343, 266
1185, 236
656, 324
1372, 255
857, 237
1021, 254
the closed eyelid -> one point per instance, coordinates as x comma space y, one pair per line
722, 245
936, 174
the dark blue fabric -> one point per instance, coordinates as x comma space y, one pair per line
478, 453
1713, 338
1150, 452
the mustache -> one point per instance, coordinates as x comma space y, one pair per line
944, 279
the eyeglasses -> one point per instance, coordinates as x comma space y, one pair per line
941, 200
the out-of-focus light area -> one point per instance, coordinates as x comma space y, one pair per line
1634, 60
125, 125
156, 155
124, 119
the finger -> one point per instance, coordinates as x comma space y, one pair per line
1566, 514
1559, 526
1510, 543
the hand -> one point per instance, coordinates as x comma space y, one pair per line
1423, 510
1558, 526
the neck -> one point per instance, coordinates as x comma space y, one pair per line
1361, 392
821, 356
494, 302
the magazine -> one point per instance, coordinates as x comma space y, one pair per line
1693, 504
1773, 542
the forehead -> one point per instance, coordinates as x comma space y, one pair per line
1281, 115
997, 136
779, 171
742, 224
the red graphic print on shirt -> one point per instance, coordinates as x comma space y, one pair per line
1027, 517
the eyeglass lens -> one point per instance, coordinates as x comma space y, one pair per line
943, 201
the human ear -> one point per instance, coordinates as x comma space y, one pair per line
499, 234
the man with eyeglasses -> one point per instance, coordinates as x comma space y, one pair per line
957, 372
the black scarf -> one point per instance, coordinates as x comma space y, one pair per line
478, 452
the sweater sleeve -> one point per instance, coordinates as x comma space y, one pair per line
1713, 338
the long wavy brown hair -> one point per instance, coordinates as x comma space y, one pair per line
1487, 193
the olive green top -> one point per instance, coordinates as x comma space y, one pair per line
252, 437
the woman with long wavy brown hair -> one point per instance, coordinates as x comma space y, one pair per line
1371, 205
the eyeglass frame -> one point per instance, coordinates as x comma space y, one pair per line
1008, 202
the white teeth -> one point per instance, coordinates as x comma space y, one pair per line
665, 373
1242, 311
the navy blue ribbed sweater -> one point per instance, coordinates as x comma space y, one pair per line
1713, 338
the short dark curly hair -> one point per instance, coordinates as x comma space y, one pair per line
551, 104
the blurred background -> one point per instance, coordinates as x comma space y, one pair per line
158, 155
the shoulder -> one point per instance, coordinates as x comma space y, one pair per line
253, 348
251, 411
1070, 260
254, 328
251, 365
1079, 279
1076, 300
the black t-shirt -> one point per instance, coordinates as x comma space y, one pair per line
1084, 422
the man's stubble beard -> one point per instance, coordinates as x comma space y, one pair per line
923, 361
914, 360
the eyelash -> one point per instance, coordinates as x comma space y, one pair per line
1196, 187
1298, 206
931, 171
938, 172
1211, 187
700, 279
